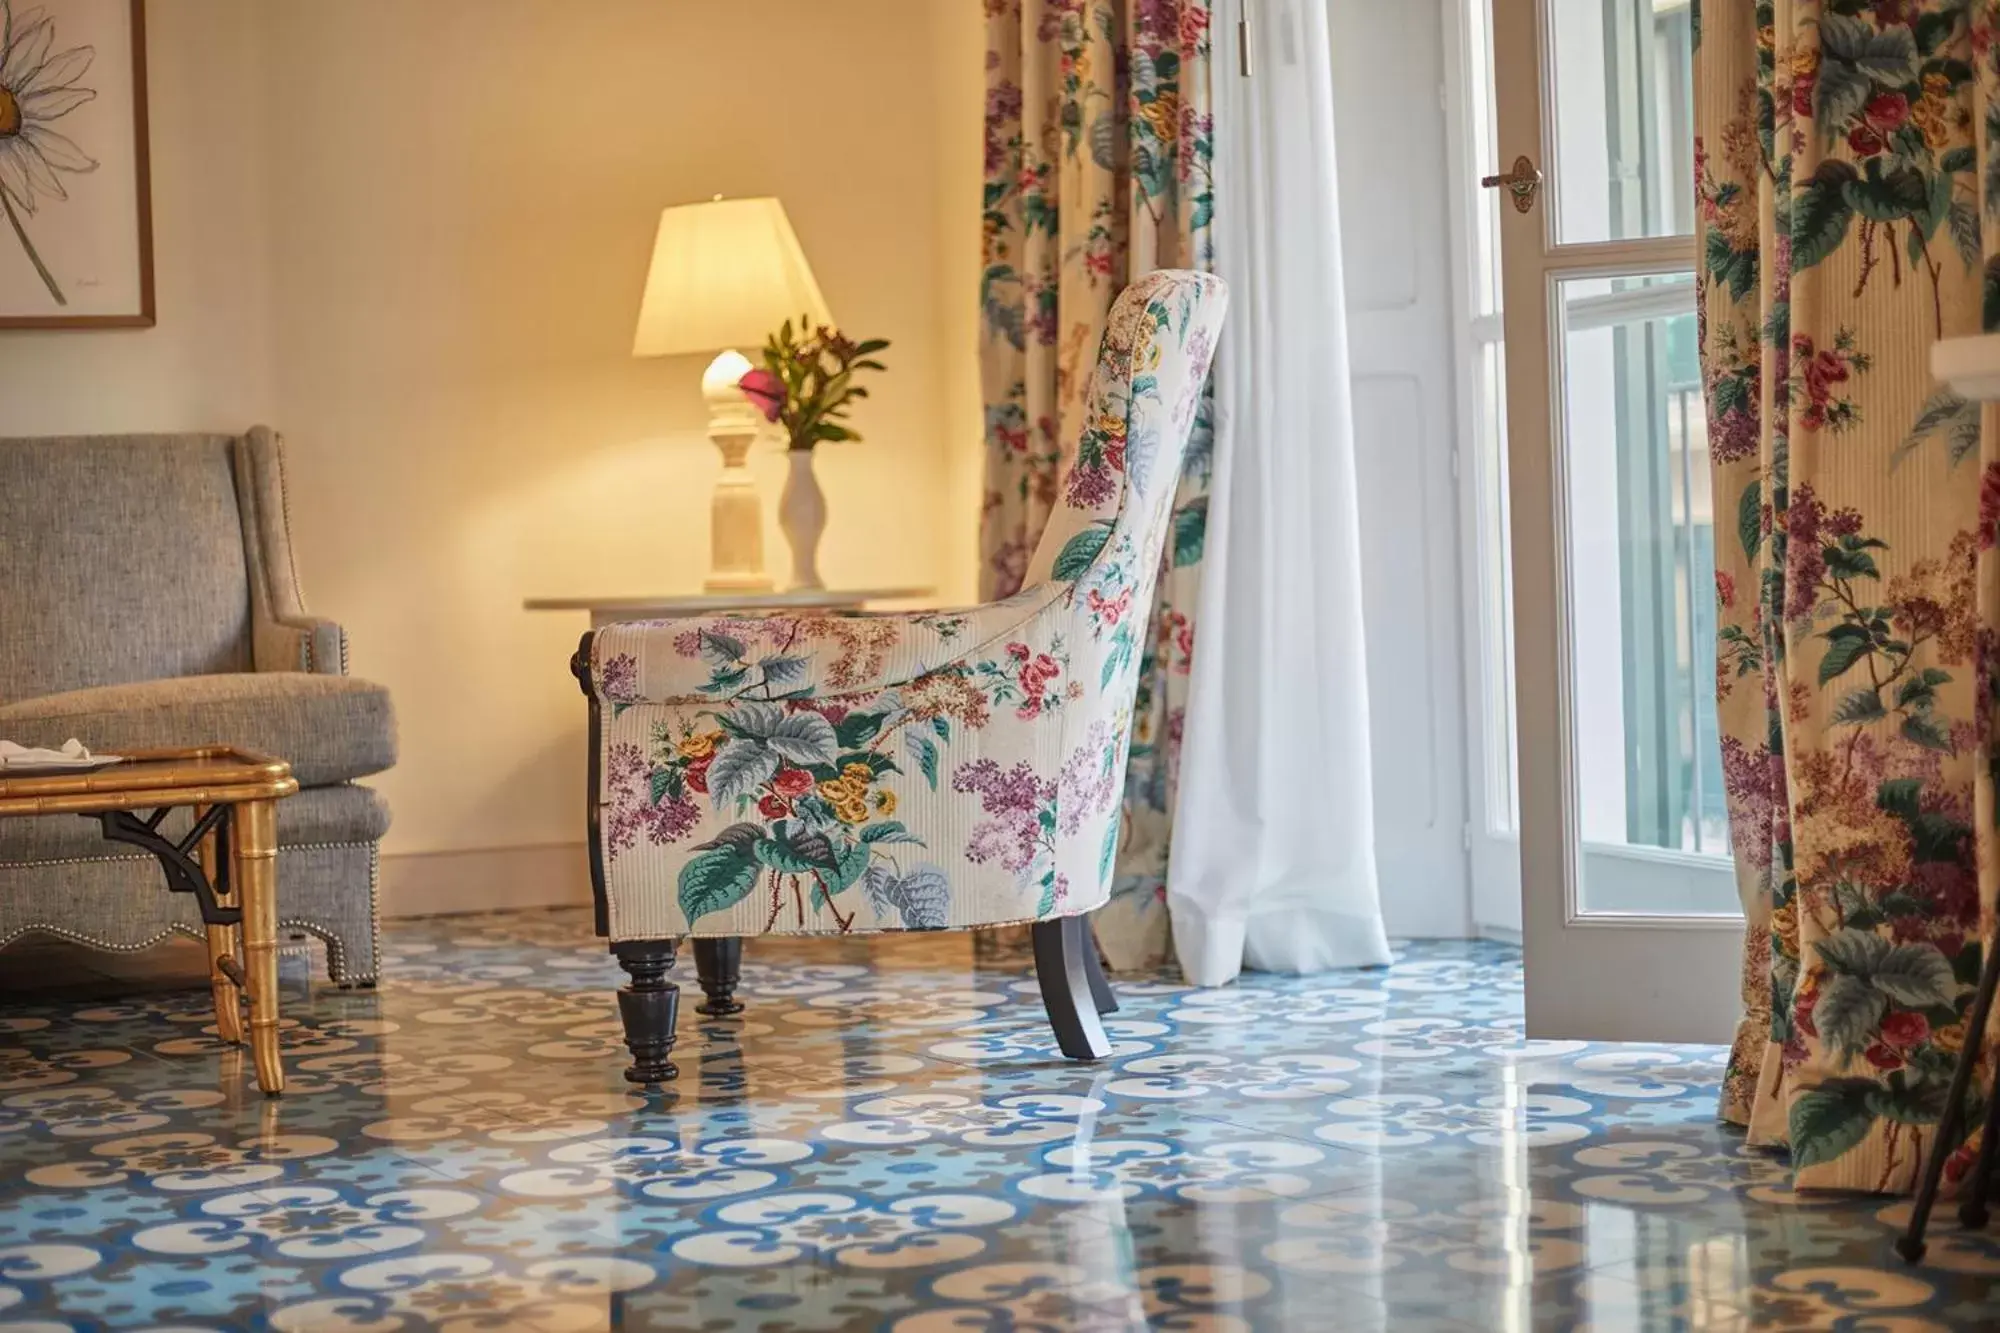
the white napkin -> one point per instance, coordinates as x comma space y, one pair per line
72, 755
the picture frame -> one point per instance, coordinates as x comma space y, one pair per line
76, 218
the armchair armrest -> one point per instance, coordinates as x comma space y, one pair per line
709, 659
283, 637
299, 643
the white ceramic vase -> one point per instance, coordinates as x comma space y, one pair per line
802, 516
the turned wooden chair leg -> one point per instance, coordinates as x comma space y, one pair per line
1062, 967
718, 964
1911, 1243
1100, 986
649, 1005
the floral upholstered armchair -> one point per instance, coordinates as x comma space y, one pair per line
838, 774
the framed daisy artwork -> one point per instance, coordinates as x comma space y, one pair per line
76, 231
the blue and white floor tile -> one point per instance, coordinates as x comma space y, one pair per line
887, 1139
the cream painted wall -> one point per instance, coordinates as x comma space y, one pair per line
426, 275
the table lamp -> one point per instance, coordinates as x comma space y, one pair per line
726, 274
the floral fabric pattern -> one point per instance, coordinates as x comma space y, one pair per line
1849, 201
830, 774
1099, 138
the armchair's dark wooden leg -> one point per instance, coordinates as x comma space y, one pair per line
1100, 987
649, 1005
719, 963
1062, 967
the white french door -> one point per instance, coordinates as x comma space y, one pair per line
1598, 802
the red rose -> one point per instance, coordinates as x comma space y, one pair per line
773, 807
1020, 652
697, 774
1882, 1057
1904, 1030
792, 783
1864, 141
1886, 112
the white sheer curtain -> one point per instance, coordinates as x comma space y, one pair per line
1274, 861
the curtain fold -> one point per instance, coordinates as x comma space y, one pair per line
1849, 205
1274, 862
1098, 141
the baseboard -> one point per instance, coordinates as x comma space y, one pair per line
485, 880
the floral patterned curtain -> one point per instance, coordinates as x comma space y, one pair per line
1098, 139
1850, 200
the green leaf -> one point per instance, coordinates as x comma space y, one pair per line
924, 750
720, 649
1944, 413
1858, 706
795, 848
1927, 732
1851, 952
1914, 975
1848, 1014
715, 880
739, 769
891, 830
1855, 56
1909, 1103
1190, 532
1962, 157
1737, 269
1107, 860
1851, 564
1120, 655
1080, 552
1899, 796
1829, 1120
922, 897
726, 680
803, 739
1937, 838
1750, 518
663, 783
1843, 652
1920, 690
783, 670
857, 729
942, 726
737, 837
1821, 214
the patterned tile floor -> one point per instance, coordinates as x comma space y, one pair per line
887, 1139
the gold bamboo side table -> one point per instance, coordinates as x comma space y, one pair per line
228, 860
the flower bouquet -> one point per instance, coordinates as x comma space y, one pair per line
806, 385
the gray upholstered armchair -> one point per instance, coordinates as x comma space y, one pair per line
148, 598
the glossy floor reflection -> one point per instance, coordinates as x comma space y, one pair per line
888, 1139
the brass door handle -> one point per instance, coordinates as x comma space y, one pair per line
1523, 183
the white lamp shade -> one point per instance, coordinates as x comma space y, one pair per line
725, 273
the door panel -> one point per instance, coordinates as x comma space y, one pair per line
1629, 915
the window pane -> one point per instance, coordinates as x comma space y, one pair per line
1642, 603
1624, 125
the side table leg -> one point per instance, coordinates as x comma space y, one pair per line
718, 964
221, 945
253, 835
